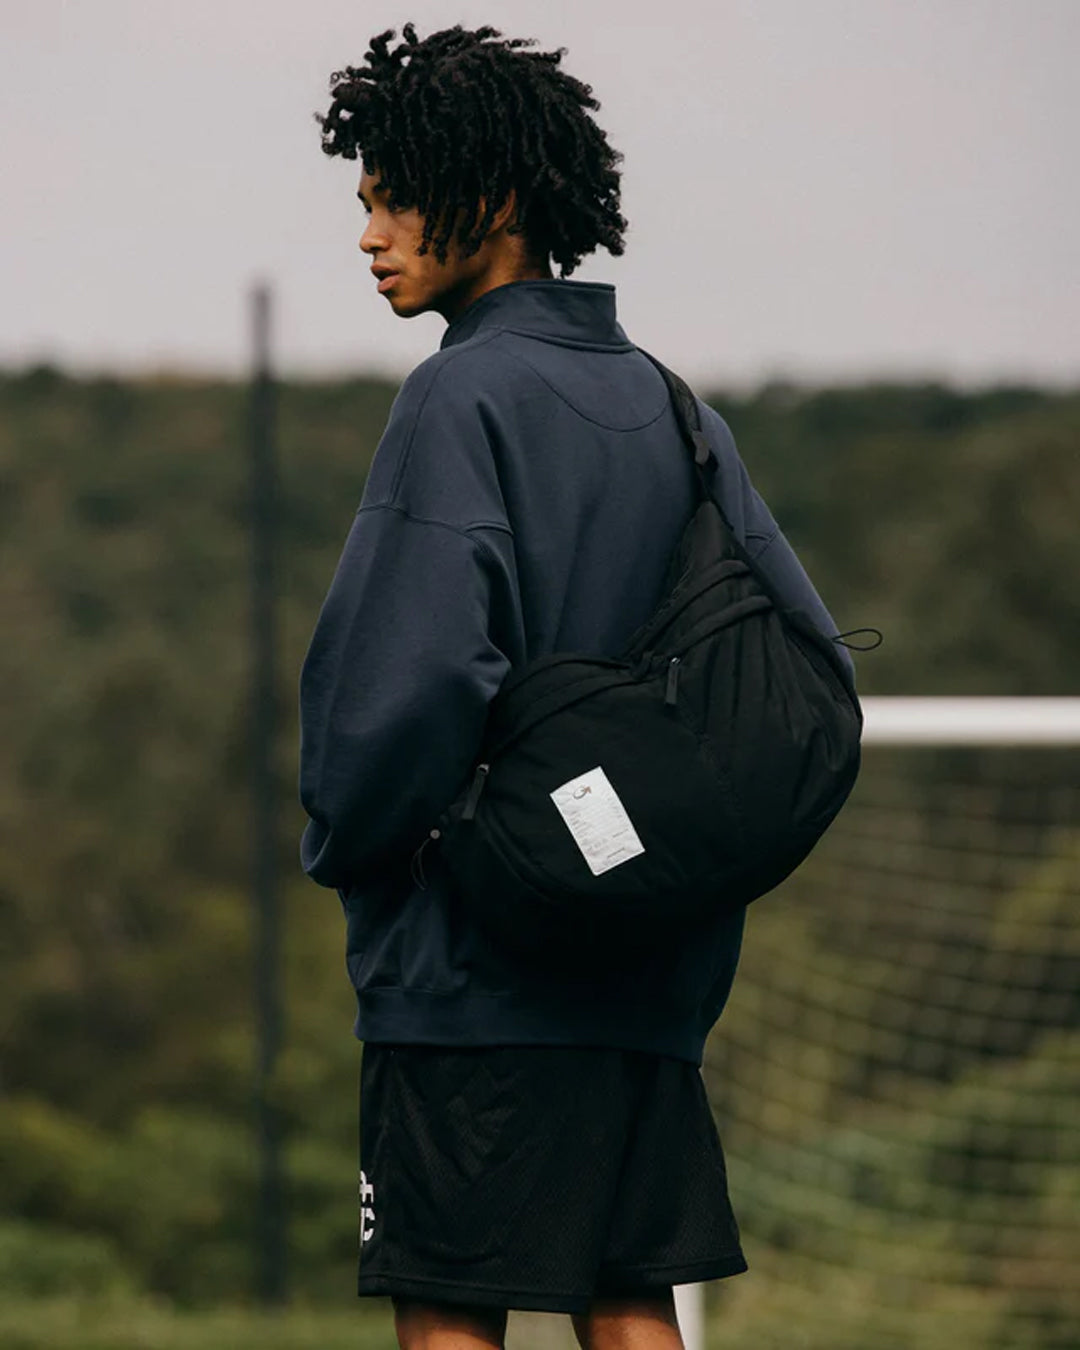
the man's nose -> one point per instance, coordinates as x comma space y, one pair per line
373, 240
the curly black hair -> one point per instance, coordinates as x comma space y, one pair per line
465, 115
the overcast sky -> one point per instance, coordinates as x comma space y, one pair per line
817, 189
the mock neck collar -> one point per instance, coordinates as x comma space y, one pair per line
573, 313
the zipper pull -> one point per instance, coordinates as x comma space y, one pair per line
672, 682
472, 800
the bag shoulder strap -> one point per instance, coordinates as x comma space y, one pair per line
706, 465
688, 418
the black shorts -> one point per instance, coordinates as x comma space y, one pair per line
538, 1177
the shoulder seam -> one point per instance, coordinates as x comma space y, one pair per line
466, 532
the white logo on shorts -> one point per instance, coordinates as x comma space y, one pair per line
367, 1211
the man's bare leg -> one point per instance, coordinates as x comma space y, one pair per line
444, 1326
630, 1324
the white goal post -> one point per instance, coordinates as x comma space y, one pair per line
929, 721
971, 721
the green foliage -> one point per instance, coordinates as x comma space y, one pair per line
945, 518
38, 1261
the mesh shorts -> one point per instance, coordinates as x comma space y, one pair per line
538, 1177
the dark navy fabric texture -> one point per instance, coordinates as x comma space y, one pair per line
525, 498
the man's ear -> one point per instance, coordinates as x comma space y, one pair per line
506, 213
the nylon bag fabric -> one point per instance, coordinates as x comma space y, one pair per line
729, 730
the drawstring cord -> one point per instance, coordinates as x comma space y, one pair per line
858, 632
416, 867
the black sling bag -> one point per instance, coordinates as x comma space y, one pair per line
619, 803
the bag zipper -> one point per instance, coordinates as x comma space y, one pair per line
730, 567
672, 687
517, 680
600, 684
740, 609
472, 801
543, 709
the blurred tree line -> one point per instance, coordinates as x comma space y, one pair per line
947, 519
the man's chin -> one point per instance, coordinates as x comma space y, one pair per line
406, 309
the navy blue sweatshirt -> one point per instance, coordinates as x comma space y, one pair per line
525, 498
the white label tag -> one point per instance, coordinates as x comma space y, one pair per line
598, 821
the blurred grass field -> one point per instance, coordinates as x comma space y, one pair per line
75, 1324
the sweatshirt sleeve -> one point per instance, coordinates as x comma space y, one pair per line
394, 689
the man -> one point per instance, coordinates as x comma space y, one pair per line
530, 1138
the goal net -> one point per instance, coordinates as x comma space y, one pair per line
897, 1075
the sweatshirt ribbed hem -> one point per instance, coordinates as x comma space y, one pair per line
424, 1017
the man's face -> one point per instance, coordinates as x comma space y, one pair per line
413, 284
